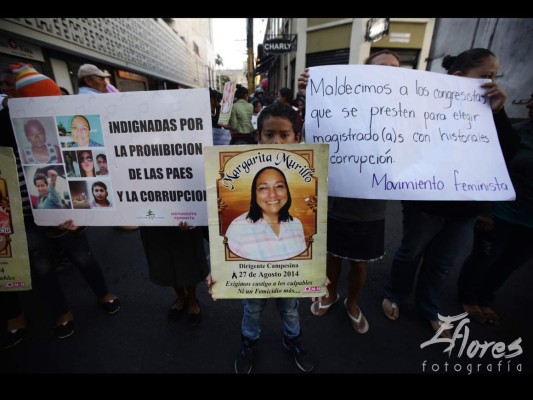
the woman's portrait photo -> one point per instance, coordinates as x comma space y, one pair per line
267, 231
100, 195
37, 140
81, 131
86, 161
101, 163
71, 164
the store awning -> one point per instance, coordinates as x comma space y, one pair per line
264, 64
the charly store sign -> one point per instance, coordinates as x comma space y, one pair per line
278, 46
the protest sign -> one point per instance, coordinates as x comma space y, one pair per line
14, 259
227, 103
267, 207
396, 133
115, 159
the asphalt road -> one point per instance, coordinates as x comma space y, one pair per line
138, 339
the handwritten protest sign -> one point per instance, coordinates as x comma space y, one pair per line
396, 133
14, 259
267, 220
115, 159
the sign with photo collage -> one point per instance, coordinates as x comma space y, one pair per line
115, 159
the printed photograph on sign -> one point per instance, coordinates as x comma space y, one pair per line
101, 162
38, 139
14, 258
47, 187
6, 225
80, 195
80, 131
72, 166
267, 207
101, 194
86, 161
262, 216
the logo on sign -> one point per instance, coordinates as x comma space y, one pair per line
278, 46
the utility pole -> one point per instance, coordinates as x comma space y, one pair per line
250, 45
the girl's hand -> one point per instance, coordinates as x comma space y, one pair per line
210, 282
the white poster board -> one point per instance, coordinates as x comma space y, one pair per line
227, 103
249, 260
396, 133
152, 143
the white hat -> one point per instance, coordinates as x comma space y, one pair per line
89, 69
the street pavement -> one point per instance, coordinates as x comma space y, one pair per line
139, 339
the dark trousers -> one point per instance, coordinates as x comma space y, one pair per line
43, 244
9, 305
495, 256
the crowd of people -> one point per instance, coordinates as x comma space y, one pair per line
433, 232
245, 111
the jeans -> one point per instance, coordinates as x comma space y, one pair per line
475, 266
434, 240
511, 248
288, 310
42, 249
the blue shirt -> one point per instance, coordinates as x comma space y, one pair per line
49, 201
88, 90
92, 143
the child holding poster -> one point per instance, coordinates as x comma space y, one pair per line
277, 124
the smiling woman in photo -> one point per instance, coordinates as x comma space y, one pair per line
267, 232
80, 130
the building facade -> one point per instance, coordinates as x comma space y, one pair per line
328, 41
420, 42
510, 39
140, 53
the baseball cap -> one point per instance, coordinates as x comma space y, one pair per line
89, 69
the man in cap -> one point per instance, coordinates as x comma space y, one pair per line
91, 79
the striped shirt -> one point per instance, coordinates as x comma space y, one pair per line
53, 158
26, 205
257, 240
